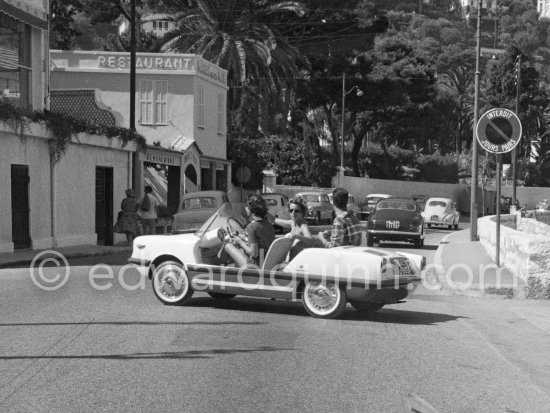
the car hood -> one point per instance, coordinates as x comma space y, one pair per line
181, 246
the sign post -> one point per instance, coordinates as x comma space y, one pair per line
498, 131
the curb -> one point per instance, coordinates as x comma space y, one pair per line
509, 291
71, 254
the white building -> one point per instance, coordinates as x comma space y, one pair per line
46, 204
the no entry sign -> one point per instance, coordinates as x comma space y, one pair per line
498, 130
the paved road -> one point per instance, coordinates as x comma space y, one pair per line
119, 350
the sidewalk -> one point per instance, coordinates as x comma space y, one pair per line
25, 257
463, 267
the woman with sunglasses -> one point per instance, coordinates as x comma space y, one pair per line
299, 229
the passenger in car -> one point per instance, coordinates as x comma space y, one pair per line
299, 229
260, 234
346, 229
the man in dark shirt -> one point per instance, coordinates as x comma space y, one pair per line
346, 229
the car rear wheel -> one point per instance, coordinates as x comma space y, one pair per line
171, 284
363, 307
222, 296
324, 299
456, 225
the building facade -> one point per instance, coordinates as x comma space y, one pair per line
48, 204
180, 109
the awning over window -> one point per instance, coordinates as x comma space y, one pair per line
25, 12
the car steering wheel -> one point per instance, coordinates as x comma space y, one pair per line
234, 227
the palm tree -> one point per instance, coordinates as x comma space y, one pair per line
238, 37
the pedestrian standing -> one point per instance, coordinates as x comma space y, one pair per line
127, 222
148, 206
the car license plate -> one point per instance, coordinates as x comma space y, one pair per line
434, 218
393, 224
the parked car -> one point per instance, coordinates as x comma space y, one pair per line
441, 211
319, 208
396, 219
369, 203
278, 206
352, 205
323, 279
196, 207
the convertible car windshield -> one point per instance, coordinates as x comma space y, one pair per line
219, 219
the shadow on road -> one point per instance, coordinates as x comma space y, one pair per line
385, 315
134, 323
191, 354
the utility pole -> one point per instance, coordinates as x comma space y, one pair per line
474, 183
133, 66
343, 121
514, 151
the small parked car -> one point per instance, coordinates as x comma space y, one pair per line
441, 211
369, 203
324, 280
196, 207
277, 205
352, 205
319, 208
396, 219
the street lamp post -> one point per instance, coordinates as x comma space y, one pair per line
474, 183
514, 151
344, 94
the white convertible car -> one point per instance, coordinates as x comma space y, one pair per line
325, 280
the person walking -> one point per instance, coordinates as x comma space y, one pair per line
346, 229
148, 206
127, 222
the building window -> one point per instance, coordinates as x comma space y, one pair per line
153, 102
221, 116
200, 105
15, 61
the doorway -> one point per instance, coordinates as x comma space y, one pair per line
20, 211
104, 205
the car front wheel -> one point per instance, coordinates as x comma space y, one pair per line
324, 299
171, 283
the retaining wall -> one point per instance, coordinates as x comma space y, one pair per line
524, 250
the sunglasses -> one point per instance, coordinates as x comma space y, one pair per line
295, 211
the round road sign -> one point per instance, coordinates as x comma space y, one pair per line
498, 130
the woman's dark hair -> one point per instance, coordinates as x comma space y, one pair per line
148, 188
257, 205
301, 202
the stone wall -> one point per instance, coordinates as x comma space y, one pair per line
525, 251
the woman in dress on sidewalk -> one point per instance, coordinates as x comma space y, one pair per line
127, 222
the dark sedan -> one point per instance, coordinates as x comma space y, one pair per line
396, 219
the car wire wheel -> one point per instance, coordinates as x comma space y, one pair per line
171, 283
324, 299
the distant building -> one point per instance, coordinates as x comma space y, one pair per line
158, 24
543, 8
